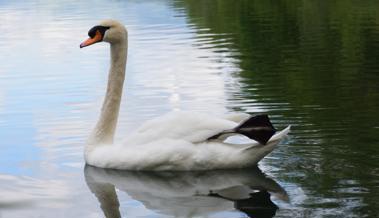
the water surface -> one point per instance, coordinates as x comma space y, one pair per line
310, 64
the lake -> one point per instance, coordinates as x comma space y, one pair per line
311, 64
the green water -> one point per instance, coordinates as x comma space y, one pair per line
311, 64
314, 64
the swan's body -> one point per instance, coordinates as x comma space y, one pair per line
176, 141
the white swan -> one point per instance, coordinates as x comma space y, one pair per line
176, 141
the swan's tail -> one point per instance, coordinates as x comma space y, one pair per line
258, 128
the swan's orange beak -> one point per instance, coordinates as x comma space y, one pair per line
97, 38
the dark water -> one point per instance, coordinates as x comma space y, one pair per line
312, 64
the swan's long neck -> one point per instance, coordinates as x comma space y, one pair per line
106, 126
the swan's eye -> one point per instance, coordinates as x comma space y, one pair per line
101, 29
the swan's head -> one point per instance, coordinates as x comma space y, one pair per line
110, 31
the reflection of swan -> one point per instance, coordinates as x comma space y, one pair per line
177, 141
187, 194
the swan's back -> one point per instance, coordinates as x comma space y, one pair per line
192, 127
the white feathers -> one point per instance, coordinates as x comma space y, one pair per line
176, 141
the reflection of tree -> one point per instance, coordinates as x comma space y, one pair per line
300, 45
320, 60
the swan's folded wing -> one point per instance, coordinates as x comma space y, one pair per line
189, 126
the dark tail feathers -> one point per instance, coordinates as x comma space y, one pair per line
258, 128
